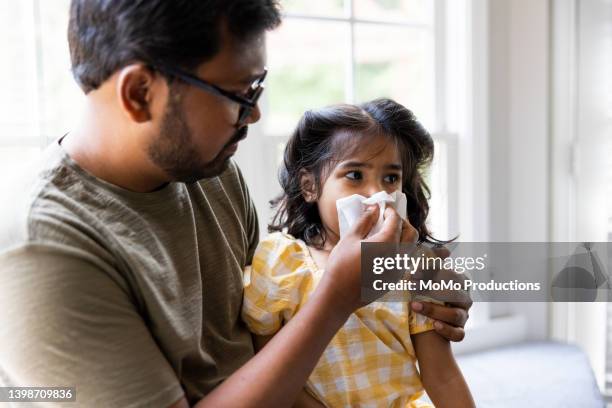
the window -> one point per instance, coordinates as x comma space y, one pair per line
324, 53
353, 51
38, 93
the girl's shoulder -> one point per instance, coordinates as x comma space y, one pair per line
279, 253
280, 239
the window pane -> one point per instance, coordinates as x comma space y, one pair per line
306, 60
437, 181
318, 7
18, 81
38, 96
418, 11
61, 97
396, 62
13, 161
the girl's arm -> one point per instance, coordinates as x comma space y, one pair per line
440, 373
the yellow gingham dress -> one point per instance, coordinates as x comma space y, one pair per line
369, 363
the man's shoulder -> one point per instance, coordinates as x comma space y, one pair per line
37, 193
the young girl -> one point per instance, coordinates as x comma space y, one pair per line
336, 152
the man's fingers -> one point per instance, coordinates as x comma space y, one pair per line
391, 228
365, 222
465, 304
409, 233
454, 316
441, 251
449, 332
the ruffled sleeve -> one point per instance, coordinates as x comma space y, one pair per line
419, 323
277, 283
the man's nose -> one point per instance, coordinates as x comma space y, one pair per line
254, 116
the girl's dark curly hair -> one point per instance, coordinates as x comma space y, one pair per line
313, 148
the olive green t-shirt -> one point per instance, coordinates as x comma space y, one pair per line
132, 298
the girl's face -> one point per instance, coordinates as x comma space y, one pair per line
375, 166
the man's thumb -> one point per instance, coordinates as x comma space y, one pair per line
366, 221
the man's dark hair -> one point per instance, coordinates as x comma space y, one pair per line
105, 35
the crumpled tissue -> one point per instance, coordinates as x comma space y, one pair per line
350, 208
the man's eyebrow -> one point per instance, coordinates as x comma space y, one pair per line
248, 80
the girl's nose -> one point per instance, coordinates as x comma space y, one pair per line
372, 189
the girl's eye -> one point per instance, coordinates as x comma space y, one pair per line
354, 175
391, 178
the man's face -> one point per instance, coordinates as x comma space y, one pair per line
198, 132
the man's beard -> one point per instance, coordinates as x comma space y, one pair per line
174, 152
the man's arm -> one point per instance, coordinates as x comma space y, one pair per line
304, 399
67, 320
277, 374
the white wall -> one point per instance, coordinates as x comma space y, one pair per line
582, 124
519, 134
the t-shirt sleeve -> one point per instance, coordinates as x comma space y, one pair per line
276, 284
64, 321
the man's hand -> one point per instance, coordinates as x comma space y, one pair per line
449, 319
344, 266
343, 269
278, 372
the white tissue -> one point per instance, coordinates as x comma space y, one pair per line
350, 208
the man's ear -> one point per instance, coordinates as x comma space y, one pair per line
135, 90
308, 186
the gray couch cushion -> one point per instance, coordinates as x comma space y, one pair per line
538, 374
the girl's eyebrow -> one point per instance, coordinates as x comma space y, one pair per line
353, 164
394, 166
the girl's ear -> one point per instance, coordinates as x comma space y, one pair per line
308, 186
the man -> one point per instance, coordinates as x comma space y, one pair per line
121, 261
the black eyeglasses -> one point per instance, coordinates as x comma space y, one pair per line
247, 101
